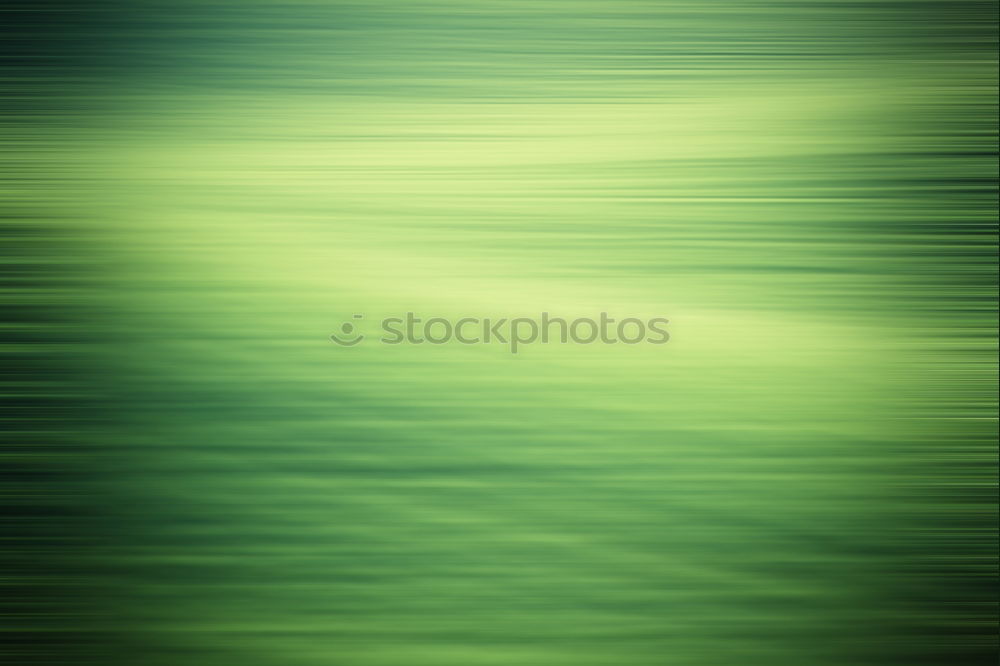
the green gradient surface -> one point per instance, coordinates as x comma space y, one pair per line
803, 475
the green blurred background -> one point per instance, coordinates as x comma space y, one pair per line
804, 475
